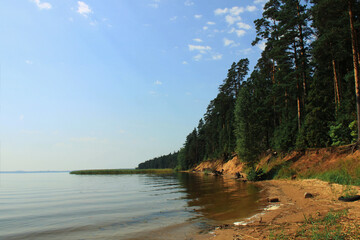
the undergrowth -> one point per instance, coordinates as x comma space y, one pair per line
340, 176
332, 226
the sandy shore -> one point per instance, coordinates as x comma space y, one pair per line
288, 215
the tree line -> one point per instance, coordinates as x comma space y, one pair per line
166, 161
304, 91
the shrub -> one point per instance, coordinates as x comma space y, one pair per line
256, 175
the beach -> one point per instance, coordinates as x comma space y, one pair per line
294, 213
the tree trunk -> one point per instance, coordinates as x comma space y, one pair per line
298, 109
298, 94
274, 98
355, 54
336, 85
302, 53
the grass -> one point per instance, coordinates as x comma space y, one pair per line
332, 226
340, 176
122, 171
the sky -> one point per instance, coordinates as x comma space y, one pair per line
109, 84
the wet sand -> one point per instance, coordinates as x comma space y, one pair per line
287, 215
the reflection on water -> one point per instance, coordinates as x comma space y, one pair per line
63, 206
220, 199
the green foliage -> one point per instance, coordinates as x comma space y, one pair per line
339, 134
326, 228
284, 136
285, 172
300, 94
255, 175
166, 161
182, 165
340, 176
252, 117
353, 131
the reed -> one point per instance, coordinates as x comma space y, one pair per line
122, 171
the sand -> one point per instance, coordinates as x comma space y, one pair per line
287, 215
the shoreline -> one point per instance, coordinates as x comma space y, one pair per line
288, 216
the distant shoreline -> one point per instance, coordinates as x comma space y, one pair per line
34, 171
122, 171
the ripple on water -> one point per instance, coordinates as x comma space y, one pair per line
59, 205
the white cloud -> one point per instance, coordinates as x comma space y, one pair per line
246, 51
251, 8
197, 40
243, 25
157, 82
217, 57
201, 49
260, 1
232, 19
84, 9
240, 33
261, 45
205, 27
184, 62
21, 117
220, 11
154, 4
210, 23
197, 16
233, 15
197, 57
173, 18
228, 42
28, 62
235, 11
188, 3
43, 5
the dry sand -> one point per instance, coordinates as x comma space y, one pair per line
287, 215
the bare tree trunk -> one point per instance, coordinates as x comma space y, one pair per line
336, 85
298, 94
274, 98
298, 108
355, 54
302, 53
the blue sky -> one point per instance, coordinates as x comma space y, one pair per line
112, 83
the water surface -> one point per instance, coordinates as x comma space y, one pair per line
172, 206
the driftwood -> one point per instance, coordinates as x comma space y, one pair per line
350, 199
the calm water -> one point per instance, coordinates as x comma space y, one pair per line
64, 206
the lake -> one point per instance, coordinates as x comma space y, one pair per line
172, 206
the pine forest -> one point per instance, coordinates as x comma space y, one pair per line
303, 92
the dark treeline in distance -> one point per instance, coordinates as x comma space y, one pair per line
166, 161
301, 94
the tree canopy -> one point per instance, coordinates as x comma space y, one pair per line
301, 94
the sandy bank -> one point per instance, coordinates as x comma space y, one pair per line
288, 215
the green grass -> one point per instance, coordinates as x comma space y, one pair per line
340, 176
122, 171
328, 227
285, 172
